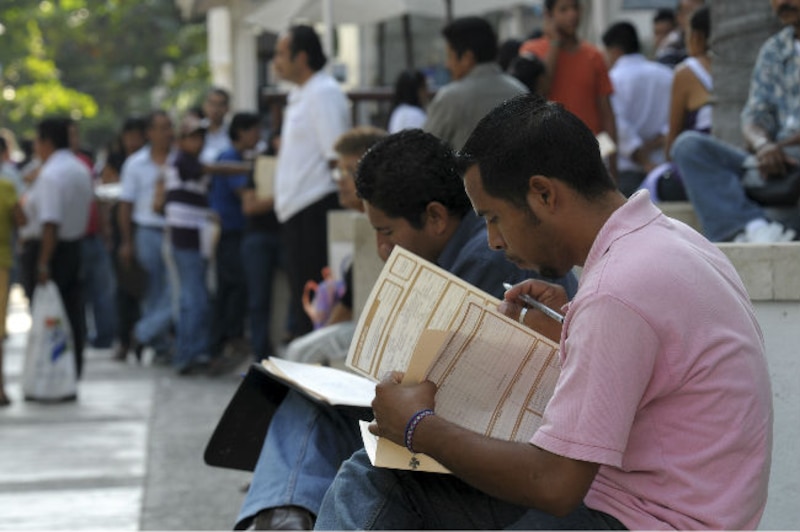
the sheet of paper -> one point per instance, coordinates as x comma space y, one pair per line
331, 385
410, 295
494, 376
264, 176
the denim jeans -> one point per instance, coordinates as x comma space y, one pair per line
305, 445
99, 287
711, 173
323, 346
231, 295
153, 327
363, 497
261, 256
194, 318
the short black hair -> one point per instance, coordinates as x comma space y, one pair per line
407, 86
404, 172
528, 69
55, 130
665, 15
241, 122
622, 35
550, 4
700, 21
507, 52
474, 34
305, 39
219, 91
526, 136
134, 123
3, 145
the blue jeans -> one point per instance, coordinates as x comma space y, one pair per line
153, 327
363, 497
261, 256
99, 287
305, 445
194, 318
711, 173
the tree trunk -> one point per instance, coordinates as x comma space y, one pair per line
738, 29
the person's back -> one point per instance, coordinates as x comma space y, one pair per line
640, 102
478, 83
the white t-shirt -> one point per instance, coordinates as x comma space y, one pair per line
316, 115
138, 176
214, 144
640, 100
62, 195
406, 116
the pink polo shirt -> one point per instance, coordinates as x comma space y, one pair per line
664, 380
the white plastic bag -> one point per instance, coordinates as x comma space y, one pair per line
49, 372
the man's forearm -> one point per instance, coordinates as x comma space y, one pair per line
125, 222
48, 247
755, 136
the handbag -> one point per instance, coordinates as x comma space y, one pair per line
49, 373
772, 190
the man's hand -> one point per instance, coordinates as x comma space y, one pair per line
773, 161
551, 295
43, 275
396, 403
126, 254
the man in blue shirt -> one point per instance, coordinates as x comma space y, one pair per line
225, 198
414, 197
712, 170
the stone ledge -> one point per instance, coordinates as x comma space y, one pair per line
770, 272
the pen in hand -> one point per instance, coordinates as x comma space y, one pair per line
528, 300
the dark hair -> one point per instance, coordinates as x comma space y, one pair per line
550, 4
700, 21
474, 34
55, 130
404, 172
3, 145
527, 136
219, 91
622, 35
507, 51
528, 69
406, 88
134, 123
305, 39
151, 118
665, 15
358, 140
241, 122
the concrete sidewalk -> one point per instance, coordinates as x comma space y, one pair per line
127, 455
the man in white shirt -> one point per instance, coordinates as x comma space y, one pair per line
641, 105
142, 231
215, 108
59, 201
316, 115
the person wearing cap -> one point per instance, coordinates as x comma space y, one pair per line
191, 226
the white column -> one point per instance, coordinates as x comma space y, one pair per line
220, 57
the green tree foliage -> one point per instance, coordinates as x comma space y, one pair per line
98, 61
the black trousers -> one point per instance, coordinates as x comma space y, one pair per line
230, 301
305, 241
65, 272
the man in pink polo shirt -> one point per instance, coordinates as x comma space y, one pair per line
662, 415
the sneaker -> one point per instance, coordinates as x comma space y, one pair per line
769, 233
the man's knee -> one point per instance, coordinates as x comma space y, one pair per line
688, 143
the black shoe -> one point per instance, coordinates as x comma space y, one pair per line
284, 518
193, 368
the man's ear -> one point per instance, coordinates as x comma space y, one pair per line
436, 217
541, 193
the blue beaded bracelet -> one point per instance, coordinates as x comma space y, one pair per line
412, 425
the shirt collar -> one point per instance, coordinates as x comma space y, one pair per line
469, 225
483, 70
636, 213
